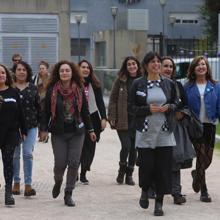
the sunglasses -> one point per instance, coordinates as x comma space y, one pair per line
16, 60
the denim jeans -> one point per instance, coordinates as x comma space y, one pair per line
27, 149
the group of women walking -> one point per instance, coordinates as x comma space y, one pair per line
146, 107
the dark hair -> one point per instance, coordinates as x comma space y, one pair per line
147, 58
191, 70
55, 73
16, 55
124, 71
27, 67
8, 81
45, 63
94, 79
173, 75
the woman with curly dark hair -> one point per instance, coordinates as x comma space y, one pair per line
12, 128
66, 115
203, 95
120, 119
93, 92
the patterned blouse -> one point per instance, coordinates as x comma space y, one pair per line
31, 105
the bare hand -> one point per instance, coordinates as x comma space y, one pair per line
154, 108
92, 136
103, 124
164, 108
43, 135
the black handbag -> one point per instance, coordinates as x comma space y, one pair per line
194, 125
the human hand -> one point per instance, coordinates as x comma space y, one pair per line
154, 108
43, 135
92, 136
164, 108
103, 124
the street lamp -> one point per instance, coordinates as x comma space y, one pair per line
78, 21
114, 11
163, 3
172, 20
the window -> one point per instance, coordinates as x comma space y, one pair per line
75, 51
185, 18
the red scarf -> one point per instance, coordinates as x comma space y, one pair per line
70, 96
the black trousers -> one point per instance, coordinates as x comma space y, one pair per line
88, 153
7, 159
128, 153
155, 166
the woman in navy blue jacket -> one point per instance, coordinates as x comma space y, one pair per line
203, 95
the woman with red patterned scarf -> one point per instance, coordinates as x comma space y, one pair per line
66, 116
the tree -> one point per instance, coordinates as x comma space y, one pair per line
209, 12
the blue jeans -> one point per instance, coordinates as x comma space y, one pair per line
27, 148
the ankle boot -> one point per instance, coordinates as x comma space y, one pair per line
29, 191
158, 211
9, 200
68, 199
16, 189
144, 202
129, 179
205, 197
83, 179
121, 172
56, 188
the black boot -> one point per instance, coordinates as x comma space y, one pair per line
68, 199
83, 178
205, 197
144, 202
56, 188
129, 179
121, 173
9, 200
158, 211
195, 184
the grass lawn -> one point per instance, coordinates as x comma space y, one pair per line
217, 145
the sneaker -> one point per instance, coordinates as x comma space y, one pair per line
179, 199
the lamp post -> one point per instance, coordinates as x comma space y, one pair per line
172, 20
163, 3
78, 21
114, 11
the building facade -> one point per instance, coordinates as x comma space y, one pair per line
176, 19
37, 29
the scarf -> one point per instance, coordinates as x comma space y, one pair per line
72, 98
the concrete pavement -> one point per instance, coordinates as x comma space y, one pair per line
103, 198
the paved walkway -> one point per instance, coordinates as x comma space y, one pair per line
103, 198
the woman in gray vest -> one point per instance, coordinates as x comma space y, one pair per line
152, 102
